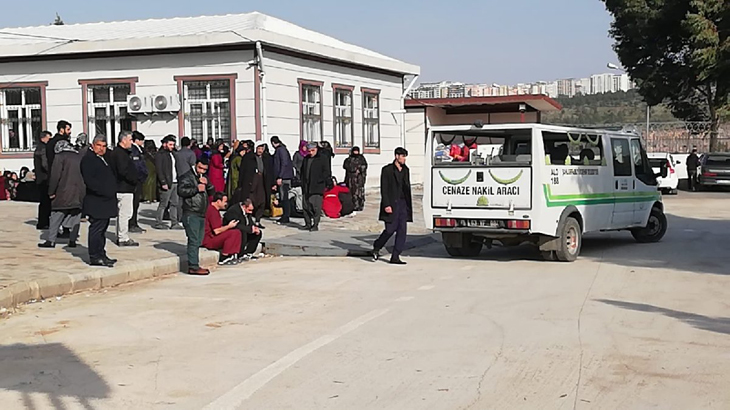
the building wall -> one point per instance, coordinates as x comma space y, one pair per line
155, 75
283, 73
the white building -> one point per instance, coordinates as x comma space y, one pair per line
246, 76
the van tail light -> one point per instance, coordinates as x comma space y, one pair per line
445, 222
671, 169
515, 224
709, 174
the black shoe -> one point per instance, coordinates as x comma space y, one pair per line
128, 242
177, 227
258, 224
47, 244
314, 229
397, 262
101, 262
65, 234
71, 244
160, 226
137, 229
375, 254
109, 260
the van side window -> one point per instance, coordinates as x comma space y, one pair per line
641, 163
621, 158
579, 149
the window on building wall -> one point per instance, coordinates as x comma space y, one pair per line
311, 112
207, 109
21, 118
343, 117
107, 110
371, 119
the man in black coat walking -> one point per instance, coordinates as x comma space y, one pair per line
100, 203
315, 175
693, 163
137, 155
127, 179
396, 206
42, 170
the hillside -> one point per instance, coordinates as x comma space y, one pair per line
603, 109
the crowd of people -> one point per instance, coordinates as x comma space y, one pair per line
217, 194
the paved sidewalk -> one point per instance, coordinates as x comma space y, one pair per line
30, 273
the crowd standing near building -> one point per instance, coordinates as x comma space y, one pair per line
216, 193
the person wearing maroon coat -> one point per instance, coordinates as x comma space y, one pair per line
225, 238
217, 163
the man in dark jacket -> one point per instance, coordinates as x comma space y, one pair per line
315, 176
40, 163
194, 190
165, 163
100, 202
127, 179
284, 173
250, 233
137, 155
64, 133
252, 180
396, 205
66, 189
693, 163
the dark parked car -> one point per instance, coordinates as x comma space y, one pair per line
714, 170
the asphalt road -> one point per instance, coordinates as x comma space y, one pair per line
627, 326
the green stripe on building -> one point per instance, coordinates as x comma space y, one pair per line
597, 199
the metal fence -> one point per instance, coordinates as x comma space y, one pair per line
676, 137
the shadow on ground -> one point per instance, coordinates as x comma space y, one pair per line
711, 324
52, 370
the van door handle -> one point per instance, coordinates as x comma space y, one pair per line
616, 184
634, 184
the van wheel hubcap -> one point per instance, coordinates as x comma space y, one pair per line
571, 239
653, 227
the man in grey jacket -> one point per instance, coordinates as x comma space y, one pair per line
186, 158
66, 189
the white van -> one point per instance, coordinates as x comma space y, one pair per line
537, 183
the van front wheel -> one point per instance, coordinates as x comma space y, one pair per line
655, 228
571, 240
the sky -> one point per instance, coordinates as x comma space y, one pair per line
473, 41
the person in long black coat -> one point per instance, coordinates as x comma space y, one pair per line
253, 181
396, 205
316, 174
100, 202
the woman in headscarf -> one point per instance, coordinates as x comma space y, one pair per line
215, 170
298, 157
235, 168
149, 187
356, 172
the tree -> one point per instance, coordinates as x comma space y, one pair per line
58, 21
678, 52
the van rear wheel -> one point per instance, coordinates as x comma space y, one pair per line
467, 248
655, 228
571, 241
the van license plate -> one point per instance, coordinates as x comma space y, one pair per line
482, 223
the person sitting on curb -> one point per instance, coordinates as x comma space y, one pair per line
250, 233
194, 189
224, 238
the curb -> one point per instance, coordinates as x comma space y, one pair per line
96, 278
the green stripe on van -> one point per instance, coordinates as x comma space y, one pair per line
597, 199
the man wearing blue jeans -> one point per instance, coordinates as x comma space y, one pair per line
194, 190
396, 206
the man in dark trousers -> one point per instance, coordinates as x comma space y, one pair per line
693, 163
137, 155
165, 163
66, 189
396, 206
252, 180
250, 233
284, 173
127, 179
42, 170
194, 190
63, 133
315, 174
100, 202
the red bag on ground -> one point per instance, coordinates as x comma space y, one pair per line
331, 204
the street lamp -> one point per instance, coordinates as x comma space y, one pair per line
612, 66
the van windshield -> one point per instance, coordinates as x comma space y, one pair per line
483, 148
